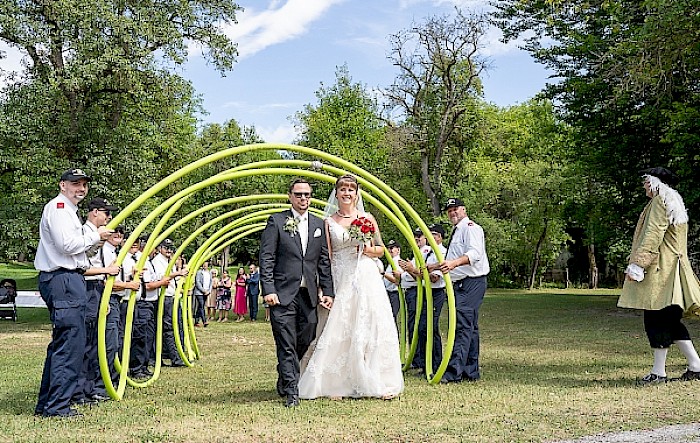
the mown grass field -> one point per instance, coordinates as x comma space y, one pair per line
556, 365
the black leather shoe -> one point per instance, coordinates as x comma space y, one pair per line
292, 401
140, 375
651, 379
178, 364
688, 375
83, 401
279, 388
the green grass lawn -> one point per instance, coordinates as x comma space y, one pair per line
555, 365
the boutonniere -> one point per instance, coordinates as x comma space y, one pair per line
291, 225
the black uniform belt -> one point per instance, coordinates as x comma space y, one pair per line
64, 270
93, 283
467, 278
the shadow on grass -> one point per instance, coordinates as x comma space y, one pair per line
248, 396
18, 403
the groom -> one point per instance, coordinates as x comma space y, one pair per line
294, 265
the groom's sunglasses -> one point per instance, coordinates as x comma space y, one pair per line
302, 194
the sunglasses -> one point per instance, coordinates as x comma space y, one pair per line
106, 211
302, 194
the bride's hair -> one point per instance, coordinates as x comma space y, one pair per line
347, 180
332, 203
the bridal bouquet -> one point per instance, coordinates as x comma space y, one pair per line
361, 229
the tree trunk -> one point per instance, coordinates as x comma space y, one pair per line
225, 258
536, 256
427, 187
592, 268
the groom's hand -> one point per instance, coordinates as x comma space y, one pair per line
326, 302
271, 299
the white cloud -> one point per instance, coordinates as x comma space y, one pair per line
284, 133
258, 109
256, 30
475, 4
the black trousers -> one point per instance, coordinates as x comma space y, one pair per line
664, 326
200, 313
293, 328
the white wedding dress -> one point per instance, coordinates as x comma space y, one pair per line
357, 354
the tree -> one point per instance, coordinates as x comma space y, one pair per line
96, 93
214, 138
629, 75
344, 122
516, 184
439, 67
85, 52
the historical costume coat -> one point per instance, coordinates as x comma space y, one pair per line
660, 247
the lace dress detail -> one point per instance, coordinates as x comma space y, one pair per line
357, 354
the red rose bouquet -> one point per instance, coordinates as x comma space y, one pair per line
361, 229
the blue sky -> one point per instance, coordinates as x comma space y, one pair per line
289, 47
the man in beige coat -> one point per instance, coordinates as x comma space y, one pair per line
659, 278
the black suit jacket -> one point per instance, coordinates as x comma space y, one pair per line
282, 263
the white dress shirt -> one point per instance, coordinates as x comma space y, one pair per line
127, 274
390, 271
468, 239
94, 254
303, 233
155, 270
432, 258
62, 243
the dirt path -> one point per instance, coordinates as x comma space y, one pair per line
668, 434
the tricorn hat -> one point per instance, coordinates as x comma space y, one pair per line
662, 174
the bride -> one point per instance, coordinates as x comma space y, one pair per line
357, 353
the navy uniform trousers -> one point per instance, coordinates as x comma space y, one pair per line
419, 359
252, 304
112, 336
90, 381
64, 293
169, 347
411, 295
464, 362
395, 304
143, 335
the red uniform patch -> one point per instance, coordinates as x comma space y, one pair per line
60, 205
470, 224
